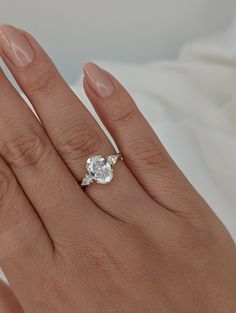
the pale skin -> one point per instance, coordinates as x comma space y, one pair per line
146, 242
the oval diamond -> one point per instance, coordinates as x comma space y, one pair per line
100, 169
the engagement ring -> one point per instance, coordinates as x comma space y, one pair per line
100, 169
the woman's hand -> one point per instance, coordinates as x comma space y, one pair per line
146, 242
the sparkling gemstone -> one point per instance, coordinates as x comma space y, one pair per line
87, 180
99, 169
112, 159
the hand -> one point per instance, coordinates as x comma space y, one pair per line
145, 242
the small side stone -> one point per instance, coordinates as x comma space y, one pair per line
87, 180
112, 159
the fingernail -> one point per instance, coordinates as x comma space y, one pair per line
98, 80
15, 46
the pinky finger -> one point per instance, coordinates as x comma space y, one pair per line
143, 152
8, 301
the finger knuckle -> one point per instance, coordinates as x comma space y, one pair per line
44, 82
149, 154
79, 143
25, 150
122, 113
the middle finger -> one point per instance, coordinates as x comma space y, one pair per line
74, 132
40, 171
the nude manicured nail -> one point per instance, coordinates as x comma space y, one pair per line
98, 80
15, 46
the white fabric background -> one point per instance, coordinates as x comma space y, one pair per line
74, 32
191, 104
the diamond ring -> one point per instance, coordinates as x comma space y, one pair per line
100, 169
